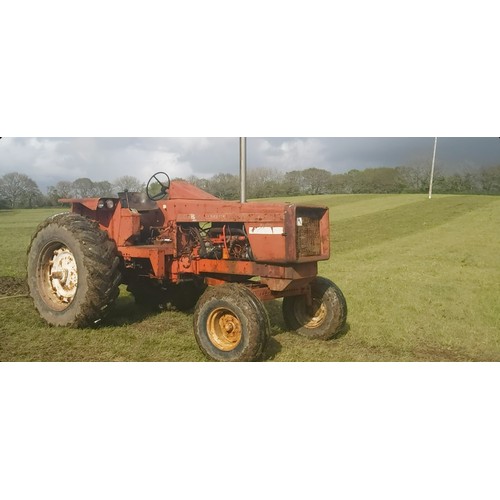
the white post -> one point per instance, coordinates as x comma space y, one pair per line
243, 169
432, 168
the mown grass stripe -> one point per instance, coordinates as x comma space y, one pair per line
387, 225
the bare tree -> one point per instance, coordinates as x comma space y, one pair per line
489, 179
63, 189
18, 189
417, 172
264, 182
225, 186
128, 183
83, 188
103, 188
316, 180
199, 182
292, 183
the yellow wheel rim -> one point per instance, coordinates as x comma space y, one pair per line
311, 318
224, 329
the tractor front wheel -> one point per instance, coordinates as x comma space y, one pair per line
231, 324
324, 318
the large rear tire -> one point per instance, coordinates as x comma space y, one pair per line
327, 316
73, 271
231, 324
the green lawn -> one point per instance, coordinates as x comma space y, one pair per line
421, 278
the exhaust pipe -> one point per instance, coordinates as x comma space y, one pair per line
243, 169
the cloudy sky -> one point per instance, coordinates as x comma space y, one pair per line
49, 160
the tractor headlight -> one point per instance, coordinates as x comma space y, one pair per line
106, 204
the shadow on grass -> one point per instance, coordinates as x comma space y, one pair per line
273, 348
343, 332
127, 312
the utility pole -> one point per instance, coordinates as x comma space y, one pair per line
432, 168
243, 169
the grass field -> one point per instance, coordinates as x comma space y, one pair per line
421, 278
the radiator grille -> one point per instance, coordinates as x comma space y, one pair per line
308, 237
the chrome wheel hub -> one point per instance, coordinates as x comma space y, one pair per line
63, 274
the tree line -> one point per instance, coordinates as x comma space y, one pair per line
266, 182
19, 191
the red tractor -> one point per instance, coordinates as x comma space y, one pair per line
178, 244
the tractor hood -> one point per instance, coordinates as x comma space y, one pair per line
183, 190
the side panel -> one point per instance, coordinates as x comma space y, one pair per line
303, 235
267, 240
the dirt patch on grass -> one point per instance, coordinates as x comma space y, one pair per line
13, 286
424, 352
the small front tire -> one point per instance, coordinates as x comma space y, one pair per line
231, 324
327, 316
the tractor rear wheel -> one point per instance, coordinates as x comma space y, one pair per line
231, 324
73, 271
325, 318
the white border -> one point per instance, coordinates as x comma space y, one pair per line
268, 69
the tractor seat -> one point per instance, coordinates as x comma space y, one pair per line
137, 201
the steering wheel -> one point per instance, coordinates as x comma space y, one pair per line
157, 187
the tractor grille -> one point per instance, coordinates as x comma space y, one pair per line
308, 236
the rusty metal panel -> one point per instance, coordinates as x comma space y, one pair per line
90, 203
208, 214
263, 292
277, 278
185, 191
156, 254
130, 226
247, 268
223, 211
268, 241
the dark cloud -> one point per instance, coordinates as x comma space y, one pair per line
343, 154
48, 160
